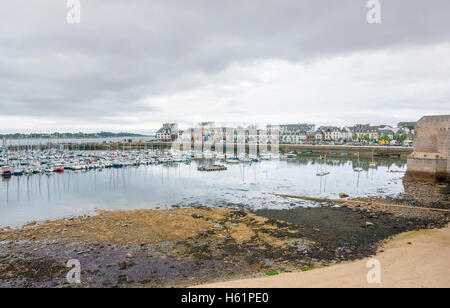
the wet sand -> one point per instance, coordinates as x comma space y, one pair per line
414, 259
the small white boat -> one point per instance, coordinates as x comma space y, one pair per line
322, 173
245, 159
232, 160
323, 170
358, 169
265, 156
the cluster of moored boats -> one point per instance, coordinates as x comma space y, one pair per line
29, 162
51, 161
56, 161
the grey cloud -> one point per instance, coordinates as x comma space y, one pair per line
124, 51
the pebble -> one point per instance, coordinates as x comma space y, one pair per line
123, 265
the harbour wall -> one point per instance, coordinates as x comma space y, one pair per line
364, 151
430, 159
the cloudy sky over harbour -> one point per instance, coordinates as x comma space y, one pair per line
131, 65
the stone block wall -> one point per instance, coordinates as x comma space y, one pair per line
430, 159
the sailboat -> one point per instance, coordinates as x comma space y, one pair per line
323, 171
18, 171
372, 164
358, 169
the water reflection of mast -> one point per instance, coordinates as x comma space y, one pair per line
95, 180
324, 179
18, 189
48, 187
113, 179
125, 179
110, 178
40, 186
68, 181
243, 172
58, 188
7, 191
320, 186
357, 182
28, 187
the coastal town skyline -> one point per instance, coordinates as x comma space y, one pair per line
81, 133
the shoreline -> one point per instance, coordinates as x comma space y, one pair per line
416, 259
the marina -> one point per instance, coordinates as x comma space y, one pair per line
52, 183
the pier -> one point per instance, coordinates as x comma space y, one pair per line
212, 168
364, 151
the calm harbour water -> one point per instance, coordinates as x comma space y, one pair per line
41, 197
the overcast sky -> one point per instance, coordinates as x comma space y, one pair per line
133, 64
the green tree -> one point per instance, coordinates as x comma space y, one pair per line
401, 137
385, 138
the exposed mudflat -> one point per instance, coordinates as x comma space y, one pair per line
402, 266
151, 248
349, 234
184, 247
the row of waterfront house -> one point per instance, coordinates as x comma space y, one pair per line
403, 133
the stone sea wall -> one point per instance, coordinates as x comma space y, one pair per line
430, 159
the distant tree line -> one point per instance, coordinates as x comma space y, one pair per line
68, 135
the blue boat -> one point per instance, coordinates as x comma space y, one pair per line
6, 173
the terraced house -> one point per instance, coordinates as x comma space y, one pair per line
167, 133
365, 131
297, 133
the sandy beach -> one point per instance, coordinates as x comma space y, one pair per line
418, 259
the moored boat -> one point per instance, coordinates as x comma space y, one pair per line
6, 172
